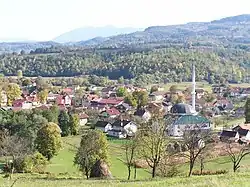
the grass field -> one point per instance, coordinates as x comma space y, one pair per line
64, 173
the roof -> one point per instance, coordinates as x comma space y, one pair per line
245, 126
181, 108
226, 133
110, 101
242, 132
158, 93
101, 123
112, 111
140, 112
191, 119
68, 90
199, 90
121, 123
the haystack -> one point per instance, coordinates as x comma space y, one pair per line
100, 170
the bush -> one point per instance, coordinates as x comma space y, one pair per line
31, 163
39, 163
23, 164
209, 172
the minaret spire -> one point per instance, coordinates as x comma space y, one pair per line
193, 87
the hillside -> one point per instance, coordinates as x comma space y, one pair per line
231, 31
86, 33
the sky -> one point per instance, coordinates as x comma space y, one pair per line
42, 20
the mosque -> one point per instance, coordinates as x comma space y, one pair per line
184, 116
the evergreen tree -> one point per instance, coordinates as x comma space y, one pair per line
247, 111
74, 122
63, 120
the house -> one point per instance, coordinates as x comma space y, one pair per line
107, 91
22, 103
123, 129
33, 99
110, 113
157, 96
235, 92
244, 132
155, 107
200, 92
124, 107
110, 101
68, 91
224, 105
227, 135
64, 100
52, 97
143, 113
83, 119
104, 126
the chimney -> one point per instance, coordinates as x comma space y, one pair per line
193, 87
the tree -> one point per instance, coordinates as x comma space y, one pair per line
14, 147
121, 92
173, 89
43, 95
26, 82
121, 80
63, 120
93, 147
247, 111
154, 89
48, 141
129, 99
74, 122
180, 99
194, 139
19, 74
141, 98
130, 148
236, 155
13, 92
153, 142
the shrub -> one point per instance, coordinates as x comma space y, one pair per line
23, 164
31, 163
209, 172
39, 163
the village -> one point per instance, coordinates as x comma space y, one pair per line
110, 110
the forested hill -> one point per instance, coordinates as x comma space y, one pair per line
219, 48
231, 31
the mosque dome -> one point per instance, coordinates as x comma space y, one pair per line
182, 109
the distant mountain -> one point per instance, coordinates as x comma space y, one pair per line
87, 33
227, 31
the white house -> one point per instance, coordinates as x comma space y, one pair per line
157, 96
144, 114
104, 126
123, 129
83, 119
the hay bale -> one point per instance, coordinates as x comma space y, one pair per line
100, 170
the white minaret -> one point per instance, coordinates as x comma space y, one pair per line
193, 87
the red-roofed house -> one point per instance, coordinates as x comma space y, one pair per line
22, 103
64, 100
83, 119
68, 91
111, 101
110, 113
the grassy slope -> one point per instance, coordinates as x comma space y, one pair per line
62, 167
232, 180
